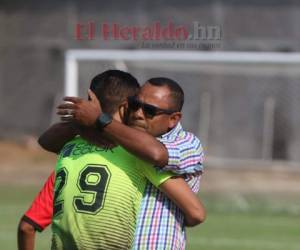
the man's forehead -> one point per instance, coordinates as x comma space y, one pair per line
151, 91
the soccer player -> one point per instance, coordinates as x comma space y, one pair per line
146, 144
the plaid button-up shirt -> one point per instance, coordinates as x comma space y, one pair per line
160, 224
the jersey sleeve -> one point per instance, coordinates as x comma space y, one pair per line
39, 215
154, 175
185, 154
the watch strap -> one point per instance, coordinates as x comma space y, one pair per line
103, 120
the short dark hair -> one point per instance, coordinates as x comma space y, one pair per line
177, 93
112, 87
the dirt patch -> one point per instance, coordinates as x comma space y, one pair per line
23, 164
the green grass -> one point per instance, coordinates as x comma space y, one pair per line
252, 222
248, 222
15, 202
246, 232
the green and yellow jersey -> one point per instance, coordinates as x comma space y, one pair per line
97, 197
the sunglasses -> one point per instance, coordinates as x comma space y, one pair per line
134, 104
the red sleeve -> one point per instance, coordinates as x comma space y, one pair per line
39, 215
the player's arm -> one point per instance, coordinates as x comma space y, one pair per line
55, 137
26, 236
180, 193
37, 217
86, 113
152, 150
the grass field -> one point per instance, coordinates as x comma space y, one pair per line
248, 222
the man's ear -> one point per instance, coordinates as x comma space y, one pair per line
123, 111
174, 119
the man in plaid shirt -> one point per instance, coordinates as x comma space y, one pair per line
160, 222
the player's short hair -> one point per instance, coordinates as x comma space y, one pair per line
112, 87
177, 93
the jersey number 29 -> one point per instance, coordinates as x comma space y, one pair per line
92, 180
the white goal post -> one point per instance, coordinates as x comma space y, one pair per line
118, 56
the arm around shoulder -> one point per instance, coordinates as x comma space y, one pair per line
181, 194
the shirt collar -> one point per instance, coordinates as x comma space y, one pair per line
173, 132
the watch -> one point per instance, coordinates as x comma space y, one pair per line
103, 120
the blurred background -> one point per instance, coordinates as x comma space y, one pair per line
238, 64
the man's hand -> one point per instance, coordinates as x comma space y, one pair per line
79, 110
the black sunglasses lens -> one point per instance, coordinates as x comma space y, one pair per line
149, 110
